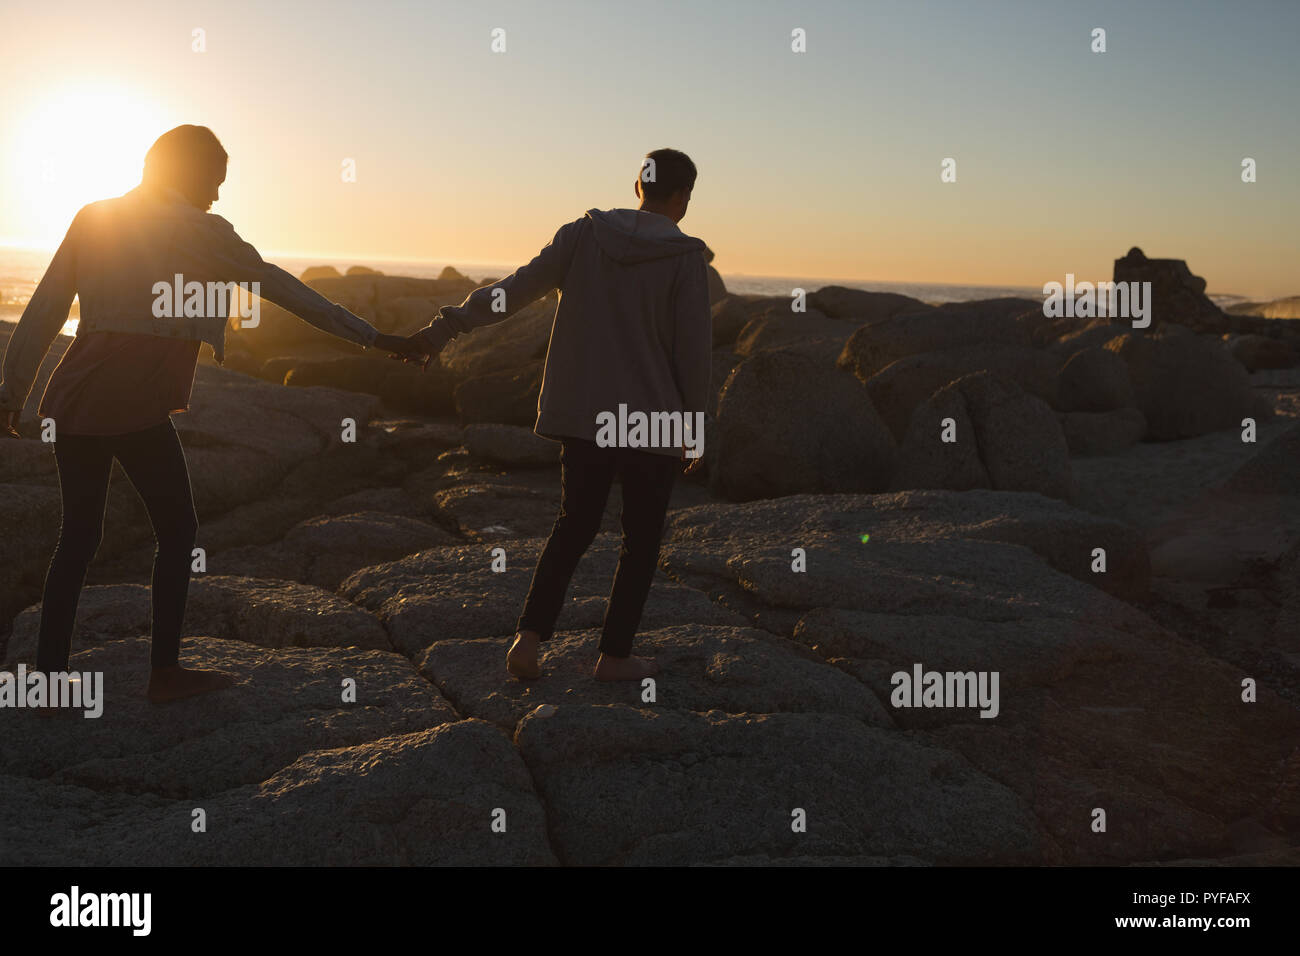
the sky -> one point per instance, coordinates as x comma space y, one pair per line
824, 163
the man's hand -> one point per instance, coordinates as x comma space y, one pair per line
424, 346
408, 348
11, 424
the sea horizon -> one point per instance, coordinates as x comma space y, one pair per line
21, 270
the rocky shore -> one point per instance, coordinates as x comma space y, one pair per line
370, 563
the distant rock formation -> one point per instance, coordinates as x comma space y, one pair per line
1288, 308
1176, 294
363, 271
319, 272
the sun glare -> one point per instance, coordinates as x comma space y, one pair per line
74, 146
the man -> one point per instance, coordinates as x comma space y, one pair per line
632, 329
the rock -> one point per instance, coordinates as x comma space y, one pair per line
925, 460
362, 373
1176, 294
337, 546
275, 368
512, 343
1273, 470
782, 330
733, 313
404, 387
1094, 380
1288, 308
416, 443
511, 445
392, 501
985, 322
367, 294
1255, 352
268, 613
243, 436
26, 462
724, 361
735, 669
506, 398
410, 799
1094, 336
988, 555
1102, 433
621, 788
786, 424
319, 272
1183, 384
1080, 666
284, 704
362, 271
496, 508
449, 273
840, 302
452, 594
408, 314
1015, 437
901, 386
1025, 653
717, 288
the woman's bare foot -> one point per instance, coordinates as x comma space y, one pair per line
177, 683
625, 668
521, 660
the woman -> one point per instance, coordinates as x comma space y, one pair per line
113, 392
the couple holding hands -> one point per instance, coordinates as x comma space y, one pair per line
632, 328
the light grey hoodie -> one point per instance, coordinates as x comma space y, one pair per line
632, 328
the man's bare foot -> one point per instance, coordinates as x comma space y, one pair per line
522, 657
177, 683
625, 668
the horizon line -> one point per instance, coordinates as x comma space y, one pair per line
333, 258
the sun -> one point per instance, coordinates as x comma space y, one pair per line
74, 145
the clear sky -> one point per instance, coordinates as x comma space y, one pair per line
821, 164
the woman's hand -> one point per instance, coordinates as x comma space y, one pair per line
419, 349
406, 349
11, 424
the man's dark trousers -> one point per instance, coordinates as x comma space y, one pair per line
588, 472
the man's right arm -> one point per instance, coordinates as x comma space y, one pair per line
693, 334
493, 303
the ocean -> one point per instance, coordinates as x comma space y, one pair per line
21, 270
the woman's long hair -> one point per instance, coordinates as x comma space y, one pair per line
188, 159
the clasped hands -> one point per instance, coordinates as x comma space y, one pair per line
413, 349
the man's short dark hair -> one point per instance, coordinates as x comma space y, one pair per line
673, 170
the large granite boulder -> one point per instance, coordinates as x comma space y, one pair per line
898, 388
1005, 439
786, 424
1184, 384
985, 322
840, 302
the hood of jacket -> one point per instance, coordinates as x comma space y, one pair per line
633, 235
